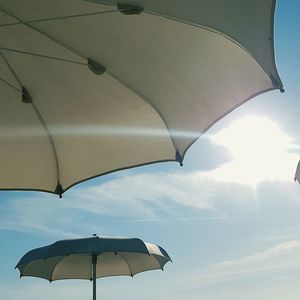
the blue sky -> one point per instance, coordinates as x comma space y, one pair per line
229, 218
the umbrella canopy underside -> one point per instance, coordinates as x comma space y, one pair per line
72, 259
80, 266
167, 71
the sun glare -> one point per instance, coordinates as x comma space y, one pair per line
259, 149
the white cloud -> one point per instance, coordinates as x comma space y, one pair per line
154, 197
156, 189
253, 273
287, 252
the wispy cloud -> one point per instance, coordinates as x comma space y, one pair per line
157, 190
287, 251
155, 197
280, 261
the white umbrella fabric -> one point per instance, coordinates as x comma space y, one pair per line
91, 87
91, 258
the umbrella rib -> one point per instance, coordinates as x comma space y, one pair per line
68, 47
11, 69
10, 85
275, 83
37, 113
58, 18
138, 94
178, 156
54, 267
126, 263
157, 14
51, 143
162, 268
217, 31
116, 10
41, 55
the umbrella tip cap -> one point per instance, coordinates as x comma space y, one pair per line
179, 158
128, 9
276, 83
59, 190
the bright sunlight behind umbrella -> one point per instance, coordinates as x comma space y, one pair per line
260, 151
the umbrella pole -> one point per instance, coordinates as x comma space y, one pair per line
94, 263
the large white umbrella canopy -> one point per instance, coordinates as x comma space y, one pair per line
91, 258
91, 87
